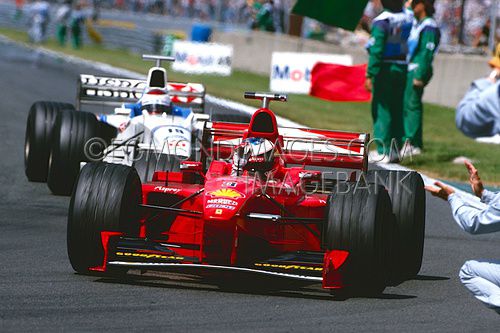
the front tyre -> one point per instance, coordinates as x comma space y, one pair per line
106, 198
359, 221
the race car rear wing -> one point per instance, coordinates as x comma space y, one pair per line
303, 146
98, 90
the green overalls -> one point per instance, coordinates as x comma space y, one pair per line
422, 44
387, 67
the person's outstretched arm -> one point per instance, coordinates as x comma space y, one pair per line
469, 217
474, 220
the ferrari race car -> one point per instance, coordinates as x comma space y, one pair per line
59, 138
252, 205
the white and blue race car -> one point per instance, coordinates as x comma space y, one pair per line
153, 127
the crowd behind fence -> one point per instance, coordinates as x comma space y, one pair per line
462, 22
466, 25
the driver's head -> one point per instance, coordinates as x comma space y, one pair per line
156, 103
255, 155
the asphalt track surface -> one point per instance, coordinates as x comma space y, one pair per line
40, 291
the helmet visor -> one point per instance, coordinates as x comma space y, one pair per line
157, 108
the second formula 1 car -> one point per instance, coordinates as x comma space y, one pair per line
146, 115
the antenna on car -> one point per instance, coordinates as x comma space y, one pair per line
157, 58
266, 98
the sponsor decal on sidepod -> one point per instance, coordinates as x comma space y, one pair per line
226, 193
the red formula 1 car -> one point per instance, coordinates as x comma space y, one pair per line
246, 206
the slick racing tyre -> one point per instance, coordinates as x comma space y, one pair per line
241, 118
72, 130
150, 161
359, 220
41, 119
406, 189
106, 198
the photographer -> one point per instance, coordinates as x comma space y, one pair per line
481, 277
478, 114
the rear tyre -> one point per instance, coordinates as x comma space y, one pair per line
359, 221
41, 119
106, 198
72, 130
406, 189
150, 161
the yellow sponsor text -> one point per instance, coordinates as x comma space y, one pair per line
148, 256
288, 267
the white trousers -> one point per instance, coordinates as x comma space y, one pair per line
482, 278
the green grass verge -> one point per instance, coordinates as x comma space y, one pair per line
443, 142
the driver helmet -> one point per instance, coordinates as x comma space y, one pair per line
255, 155
156, 102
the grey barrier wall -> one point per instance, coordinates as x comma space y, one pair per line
453, 74
253, 50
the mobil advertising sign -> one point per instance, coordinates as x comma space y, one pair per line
291, 72
202, 58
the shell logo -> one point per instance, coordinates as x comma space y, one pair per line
226, 193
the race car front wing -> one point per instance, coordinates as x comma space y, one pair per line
139, 253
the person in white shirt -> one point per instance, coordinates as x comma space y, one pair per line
38, 13
481, 277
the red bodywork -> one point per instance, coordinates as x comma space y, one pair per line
204, 217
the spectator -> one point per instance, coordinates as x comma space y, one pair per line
264, 20
19, 9
372, 10
476, 13
386, 76
480, 39
481, 277
279, 15
230, 12
38, 13
62, 17
96, 9
478, 114
422, 45
76, 22
169, 7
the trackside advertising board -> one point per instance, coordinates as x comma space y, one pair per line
202, 58
291, 72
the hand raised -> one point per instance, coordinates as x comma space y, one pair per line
475, 181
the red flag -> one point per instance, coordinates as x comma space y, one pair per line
339, 83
